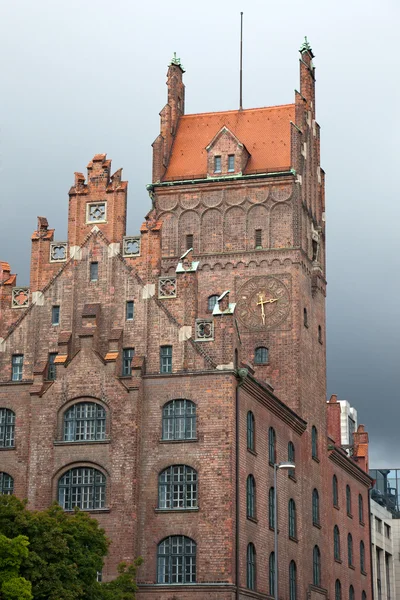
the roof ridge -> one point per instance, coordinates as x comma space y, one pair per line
237, 110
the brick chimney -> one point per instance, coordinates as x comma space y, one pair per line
169, 115
333, 419
360, 453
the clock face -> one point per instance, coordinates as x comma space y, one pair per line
263, 302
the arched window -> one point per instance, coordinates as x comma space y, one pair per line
212, 301
362, 557
350, 550
335, 491
272, 574
348, 500
315, 507
338, 590
85, 421
305, 317
177, 487
292, 581
7, 428
316, 566
179, 420
6, 484
336, 543
291, 454
292, 518
360, 509
83, 487
176, 560
250, 431
271, 511
271, 446
251, 497
251, 567
314, 442
351, 593
261, 355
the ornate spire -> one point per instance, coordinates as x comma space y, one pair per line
176, 61
305, 47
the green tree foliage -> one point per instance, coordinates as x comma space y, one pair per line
124, 586
13, 552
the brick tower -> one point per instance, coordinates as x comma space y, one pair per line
155, 380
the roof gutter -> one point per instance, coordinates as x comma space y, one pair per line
150, 187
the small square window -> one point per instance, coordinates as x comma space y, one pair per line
94, 271
130, 309
127, 355
96, 212
166, 359
217, 164
52, 368
17, 366
261, 356
231, 163
55, 315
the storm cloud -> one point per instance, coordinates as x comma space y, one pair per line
84, 77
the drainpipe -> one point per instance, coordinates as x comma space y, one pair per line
242, 374
370, 543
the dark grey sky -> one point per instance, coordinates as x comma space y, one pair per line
85, 76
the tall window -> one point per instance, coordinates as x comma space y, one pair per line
52, 368
7, 428
261, 355
258, 238
360, 509
177, 487
335, 491
212, 301
272, 574
271, 446
348, 500
336, 543
217, 164
315, 507
350, 550
351, 593
320, 334
362, 557
82, 487
17, 364
166, 359
338, 590
292, 518
94, 271
6, 484
129, 310
291, 458
251, 567
231, 163
250, 431
292, 581
85, 421
314, 442
176, 560
305, 317
363, 596
127, 355
189, 241
55, 315
316, 566
179, 420
251, 497
271, 511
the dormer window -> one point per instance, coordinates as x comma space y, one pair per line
217, 164
231, 163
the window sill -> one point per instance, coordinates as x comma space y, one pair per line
338, 560
253, 452
336, 506
271, 528
176, 510
252, 519
315, 458
178, 441
293, 539
92, 511
363, 572
363, 524
292, 477
317, 525
78, 442
352, 567
349, 515
4, 448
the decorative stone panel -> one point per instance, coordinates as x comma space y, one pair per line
20, 297
58, 251
131, 246
167, 287
96, 212
204, 330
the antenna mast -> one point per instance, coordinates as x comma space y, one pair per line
241, 62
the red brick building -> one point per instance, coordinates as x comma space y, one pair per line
154, 380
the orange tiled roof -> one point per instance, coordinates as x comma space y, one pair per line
264, 131
4, 266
